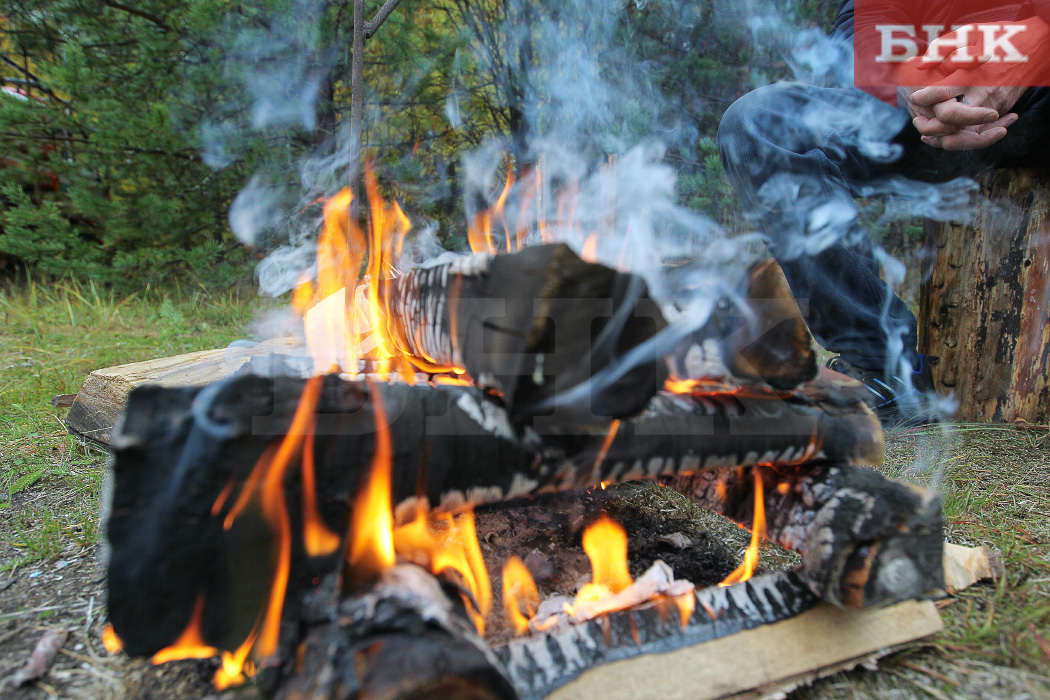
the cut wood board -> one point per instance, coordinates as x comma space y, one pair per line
965, 566
101, 400
762, 662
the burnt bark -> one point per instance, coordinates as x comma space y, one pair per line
407, 637
985, 302
538, 665
865, 540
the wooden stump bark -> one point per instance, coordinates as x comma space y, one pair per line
984, 304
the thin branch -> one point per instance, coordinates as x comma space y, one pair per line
381, 16
185, 154
138, 13
40, 83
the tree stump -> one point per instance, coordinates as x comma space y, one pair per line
984, 305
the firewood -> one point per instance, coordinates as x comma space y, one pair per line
756, 335
406, 637
95, 410
965, 566
531, 325
539, 664
180, 450
865, 540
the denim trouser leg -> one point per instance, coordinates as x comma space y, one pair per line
796, 154
793, 153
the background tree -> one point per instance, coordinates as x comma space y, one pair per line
141, 122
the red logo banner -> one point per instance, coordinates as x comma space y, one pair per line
986, 43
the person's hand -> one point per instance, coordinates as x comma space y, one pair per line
961, 119
945, 122
968, 96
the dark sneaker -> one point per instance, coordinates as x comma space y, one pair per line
897, 400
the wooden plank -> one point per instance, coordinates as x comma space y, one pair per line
792, 651
101, 400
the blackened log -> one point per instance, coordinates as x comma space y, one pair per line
178, 451
531, 325
865, 540
715, 426
407, 637
538, 665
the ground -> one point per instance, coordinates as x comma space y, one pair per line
995, 480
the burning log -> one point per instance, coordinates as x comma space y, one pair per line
865, 540
182, 532
406, 637
530, 325
714, 426
537, 665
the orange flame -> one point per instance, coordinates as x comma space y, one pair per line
370, 545
589, 252
605, 543
317, 538
521, 598
190, 644
758, 531
603, 451
110, 640
446, 542
479, 233
265, 486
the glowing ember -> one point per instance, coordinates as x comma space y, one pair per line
521, 598
758, 531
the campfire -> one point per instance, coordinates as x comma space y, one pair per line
318, 533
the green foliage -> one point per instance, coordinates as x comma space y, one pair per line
706, 189
144, 120
134, 204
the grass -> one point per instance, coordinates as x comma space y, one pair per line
995, 481
54, 335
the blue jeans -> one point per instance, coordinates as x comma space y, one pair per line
798, 154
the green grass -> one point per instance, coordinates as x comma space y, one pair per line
53, 336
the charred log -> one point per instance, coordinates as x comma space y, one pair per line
865, 540
715, 426
538, 665
407, 637
531, 325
